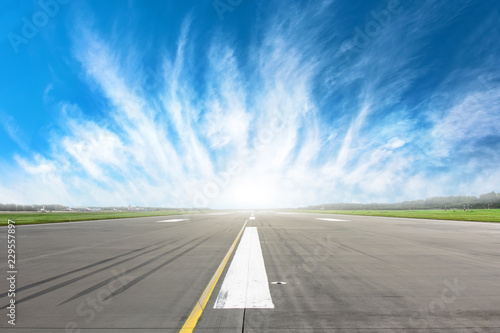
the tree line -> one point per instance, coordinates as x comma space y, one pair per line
30, 208
56, 207
487, 200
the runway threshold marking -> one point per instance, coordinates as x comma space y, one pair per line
328, 219
195, 315
245, 285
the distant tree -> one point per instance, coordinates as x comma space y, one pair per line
488, 197
492, 199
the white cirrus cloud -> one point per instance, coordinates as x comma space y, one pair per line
255, 131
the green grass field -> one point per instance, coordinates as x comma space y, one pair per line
480, 215
34, 218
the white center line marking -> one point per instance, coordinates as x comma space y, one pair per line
328, 219
245, 285
173, 220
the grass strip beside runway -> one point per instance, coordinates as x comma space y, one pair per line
478, 215
36, 218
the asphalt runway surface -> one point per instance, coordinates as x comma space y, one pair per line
292, 273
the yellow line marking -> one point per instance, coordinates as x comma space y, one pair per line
192, 320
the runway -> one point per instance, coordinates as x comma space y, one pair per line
299, 272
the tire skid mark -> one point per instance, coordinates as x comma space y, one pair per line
145, 275
437, 249
288, 246
105, 282
78, 278
366, 254
337, 246
35, 284
285, 242
299, 244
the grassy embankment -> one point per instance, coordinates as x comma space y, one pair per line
37, 217
481, 215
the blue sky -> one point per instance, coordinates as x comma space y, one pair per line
248, 104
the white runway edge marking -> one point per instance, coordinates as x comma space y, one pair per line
245, 285
173, 220
328, 219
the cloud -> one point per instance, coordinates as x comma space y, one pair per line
291, 122
12, 129
47, 98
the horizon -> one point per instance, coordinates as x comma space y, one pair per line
259, 208
256, 105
